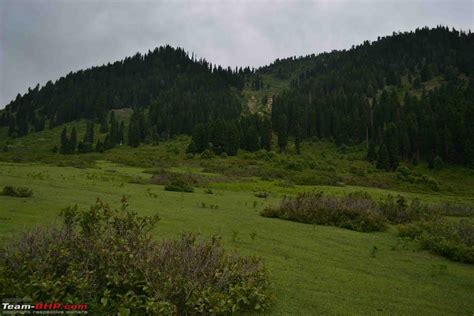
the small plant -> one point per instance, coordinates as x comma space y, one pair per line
179, 186
17, 191
235, 235
253, 235
438, 269
373, 251
262, 194
208, 191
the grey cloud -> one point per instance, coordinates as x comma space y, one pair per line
41, 40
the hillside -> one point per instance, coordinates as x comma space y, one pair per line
409, 95
342, 181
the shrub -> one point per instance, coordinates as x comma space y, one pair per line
107, 258
454, 240
450, 209
207, 154
262, 194
179, 185
397, 210
438, 163
354, 211
17, 191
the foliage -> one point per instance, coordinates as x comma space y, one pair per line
355, 211
17, 191
107, 258
398, 210
454, 240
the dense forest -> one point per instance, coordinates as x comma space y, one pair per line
176, 90
409, 96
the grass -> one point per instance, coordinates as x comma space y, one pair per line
314, 269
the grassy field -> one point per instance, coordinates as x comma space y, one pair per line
314, 269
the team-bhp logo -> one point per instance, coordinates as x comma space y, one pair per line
26, 306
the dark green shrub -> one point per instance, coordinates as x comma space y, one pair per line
450, 209
454, 240
262, 194
107, 258
398, 210
355, 211
438, 163
17, 191
179, 186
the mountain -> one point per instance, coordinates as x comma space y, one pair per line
409, 96
177, 89
412, 92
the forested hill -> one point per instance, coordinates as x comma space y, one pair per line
410, 95
177, 89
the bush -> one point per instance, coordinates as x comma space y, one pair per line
454, 240
355, 211
107, 258
262, 194
438, 163
17, 191
179, 186
398, 211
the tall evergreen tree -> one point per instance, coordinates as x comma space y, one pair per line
372, 153
382, 160
282, 133
266, 135
72, 141
64, 149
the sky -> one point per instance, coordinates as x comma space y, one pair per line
42, 40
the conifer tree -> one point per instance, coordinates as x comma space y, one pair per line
282, 133
382, 160
72, 141
298, 136
251, 139
371, 153
266, 135
64, 142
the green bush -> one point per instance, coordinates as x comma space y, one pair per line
454, 240
398, 211
179, 186
107, 258
262, 194
355, 211
17, 191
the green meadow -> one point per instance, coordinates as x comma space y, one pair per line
314, 269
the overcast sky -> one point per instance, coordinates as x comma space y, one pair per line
42, 40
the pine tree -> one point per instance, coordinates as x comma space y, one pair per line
232, 139
391, 140
22, 127
72, 141
298, 136
134, 132
104, 128
282, 133
251, 139
64, 142
200, 138
266, 135
120, 136
371, 153
382, 161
